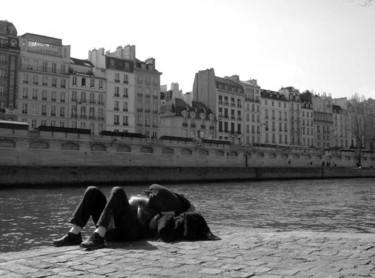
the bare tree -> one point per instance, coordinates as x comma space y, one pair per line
362, 124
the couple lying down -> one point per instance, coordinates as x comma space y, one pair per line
160, 214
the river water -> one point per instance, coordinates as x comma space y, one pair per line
31, 218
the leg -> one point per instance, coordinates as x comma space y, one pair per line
92, 204
118, 210
125, 222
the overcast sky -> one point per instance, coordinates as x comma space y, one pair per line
321, 45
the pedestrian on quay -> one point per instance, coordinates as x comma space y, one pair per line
120, 219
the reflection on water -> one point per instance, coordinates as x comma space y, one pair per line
34, 217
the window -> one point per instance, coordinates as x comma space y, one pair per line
92, 98
126, 80
92, 113
35, 94
25, 76
101, 99
117, 91
125, 120
92, 83
24, 108
125, 106
63, 83
63, 69
74, 95
3, 59
54, 82
25, 92
62, 111
45, 81
62, 96
83, 82
35, 79
83, 96
74, 81
100, 84
117, 77
44, 95
125, 92
53, 96
2, 90
83, 112
116, 108
45, 66
116, 119
53, 110
54, 67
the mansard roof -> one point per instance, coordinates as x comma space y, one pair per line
176, 106
80, 62
228, 85
273, 95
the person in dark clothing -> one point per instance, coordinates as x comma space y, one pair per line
161, 199
115, 219
120, 219
186, 226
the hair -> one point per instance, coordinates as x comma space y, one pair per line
144, 212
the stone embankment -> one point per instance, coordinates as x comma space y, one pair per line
65, 175
242, 252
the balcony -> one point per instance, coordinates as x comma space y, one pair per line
203, 127
125, 124
116, 123
184, 124
192, 125
92, 117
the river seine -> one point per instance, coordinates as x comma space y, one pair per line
30, 218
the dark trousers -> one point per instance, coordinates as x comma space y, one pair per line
117, 210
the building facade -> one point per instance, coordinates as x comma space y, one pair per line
87, 96
323, 121
43, 81
225, 97
252, 112
9, 63
120, 96
294, 100
274, 118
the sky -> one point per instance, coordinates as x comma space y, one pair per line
327, 46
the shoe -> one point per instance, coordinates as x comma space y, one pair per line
94, 242
69, 239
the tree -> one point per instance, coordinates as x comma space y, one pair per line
362, 123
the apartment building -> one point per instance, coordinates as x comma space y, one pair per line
225, 97
307, 124
87, 96
9, 56
294, 100
274, 118
147, 98
120, 85
43, 81
323, 122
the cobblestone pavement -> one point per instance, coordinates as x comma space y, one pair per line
242, 252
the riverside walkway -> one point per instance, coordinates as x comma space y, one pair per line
241, 252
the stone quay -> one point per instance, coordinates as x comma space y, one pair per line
241, 252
